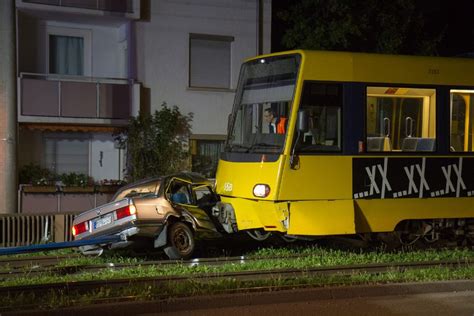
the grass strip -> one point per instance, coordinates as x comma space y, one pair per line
190, 287
311, 257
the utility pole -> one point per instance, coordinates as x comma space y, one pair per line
8, 126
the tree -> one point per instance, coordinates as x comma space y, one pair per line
396, 26
157, 144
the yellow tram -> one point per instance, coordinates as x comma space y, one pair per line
370, 143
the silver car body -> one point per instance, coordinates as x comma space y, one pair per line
154, 206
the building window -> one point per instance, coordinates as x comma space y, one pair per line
68, 51
210, 61
67, 152
462, 120
322, 102
205, 156
66, 55
401, 119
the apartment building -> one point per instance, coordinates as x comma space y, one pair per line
84, 67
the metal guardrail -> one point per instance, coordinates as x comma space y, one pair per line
23, 230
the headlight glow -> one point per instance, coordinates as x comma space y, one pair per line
261, 190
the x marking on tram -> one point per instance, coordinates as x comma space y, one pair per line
410, 171
458, 172
372, 173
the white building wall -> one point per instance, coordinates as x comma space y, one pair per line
162, 54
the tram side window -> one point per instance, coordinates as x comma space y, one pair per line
462, 120
323, 104
401, 119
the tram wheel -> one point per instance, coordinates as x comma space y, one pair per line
289, 238
259, 235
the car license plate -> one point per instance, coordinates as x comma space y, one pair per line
102, 221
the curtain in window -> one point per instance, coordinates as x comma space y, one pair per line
66, 55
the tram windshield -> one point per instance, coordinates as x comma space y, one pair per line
261, 111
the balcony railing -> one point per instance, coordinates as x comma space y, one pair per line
27, 229
69, 200
125, 6
74, 97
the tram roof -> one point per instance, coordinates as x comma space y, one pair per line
383, 68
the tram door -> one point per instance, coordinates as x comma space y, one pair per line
462, 121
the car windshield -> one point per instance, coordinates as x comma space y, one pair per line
140, 189
262, 106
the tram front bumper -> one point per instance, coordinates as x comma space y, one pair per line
224, 212
236, 214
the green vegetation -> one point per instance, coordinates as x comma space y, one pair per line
36, 175
50, 253
329, 257
395, 27
193, 286
73, 179
303, 258
157, 143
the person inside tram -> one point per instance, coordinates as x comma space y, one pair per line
276, 124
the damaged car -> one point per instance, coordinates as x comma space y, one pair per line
169, 213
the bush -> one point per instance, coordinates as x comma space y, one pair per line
157, 144
36, 175
73, 179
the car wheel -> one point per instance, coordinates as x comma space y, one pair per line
181, 242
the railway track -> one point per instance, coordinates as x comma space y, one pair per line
27, 261
48, 265
84, 286
162, 287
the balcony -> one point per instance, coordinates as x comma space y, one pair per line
76, 100
126, 8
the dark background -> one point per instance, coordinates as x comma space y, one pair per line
453, 18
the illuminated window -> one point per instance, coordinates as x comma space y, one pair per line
401, 119
462, 120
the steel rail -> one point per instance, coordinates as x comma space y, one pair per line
18, 262
36, 268
84, 286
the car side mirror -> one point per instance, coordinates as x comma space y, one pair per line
302, 122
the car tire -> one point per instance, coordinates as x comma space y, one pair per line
181, 243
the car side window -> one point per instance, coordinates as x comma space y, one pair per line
204, 195
179, 193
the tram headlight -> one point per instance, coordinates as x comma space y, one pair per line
261, 190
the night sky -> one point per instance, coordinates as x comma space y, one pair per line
455, 18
